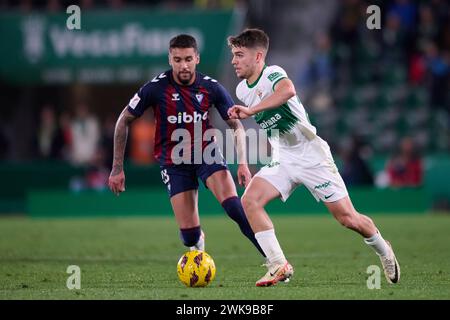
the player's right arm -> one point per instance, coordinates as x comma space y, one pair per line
282, 90
135, 108
117, 177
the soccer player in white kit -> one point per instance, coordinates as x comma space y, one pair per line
300, 157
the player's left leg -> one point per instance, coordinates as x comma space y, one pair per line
326, 184
222, 186
344, 212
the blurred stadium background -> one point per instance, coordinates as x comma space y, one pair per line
379, 97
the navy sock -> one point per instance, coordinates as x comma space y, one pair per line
235, 211
190, 236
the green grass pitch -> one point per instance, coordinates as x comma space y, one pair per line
135, 258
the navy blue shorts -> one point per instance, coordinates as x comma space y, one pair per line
183, 177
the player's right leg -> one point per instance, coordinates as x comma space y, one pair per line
258, 193
182, 186
185, 208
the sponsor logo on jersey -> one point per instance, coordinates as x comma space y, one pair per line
270, 122
323, 185
274, 76
273, 164
175, 97
184, 117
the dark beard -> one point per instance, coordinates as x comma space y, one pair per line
185, 81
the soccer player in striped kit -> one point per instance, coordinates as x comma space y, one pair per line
181, 99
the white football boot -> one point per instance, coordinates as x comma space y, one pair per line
390, 266
276, 273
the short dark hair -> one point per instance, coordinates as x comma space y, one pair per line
250, 38
183, 41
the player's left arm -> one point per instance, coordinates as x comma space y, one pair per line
283, 91
244, 175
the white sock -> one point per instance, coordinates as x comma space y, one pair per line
378, 244
269, 243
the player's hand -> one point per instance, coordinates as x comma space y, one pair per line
244, 175
116, 182
239, 112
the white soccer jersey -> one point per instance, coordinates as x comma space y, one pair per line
299, 156
290, 119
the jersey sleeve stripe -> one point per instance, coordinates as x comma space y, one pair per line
278, 80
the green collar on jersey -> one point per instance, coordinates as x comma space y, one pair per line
256, 82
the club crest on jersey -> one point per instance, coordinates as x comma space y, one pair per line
175, 97
259, 93
184, 117
199, 97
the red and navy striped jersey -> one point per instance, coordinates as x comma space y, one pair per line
180, 107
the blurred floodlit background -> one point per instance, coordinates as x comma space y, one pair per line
379, 97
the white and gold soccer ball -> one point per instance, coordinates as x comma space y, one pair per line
196, 269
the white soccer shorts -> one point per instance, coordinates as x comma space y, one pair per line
312, 165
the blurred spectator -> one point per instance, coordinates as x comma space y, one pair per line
66, 132
406, 10
53, 6
355, 170
96, 177
348, 20
85, 134
142, 139
427, 29
417, 69
50, 140
319, 71
405, 168
438, 66
440, 9
345, 30
394, 40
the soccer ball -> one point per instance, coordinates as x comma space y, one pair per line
196, 269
